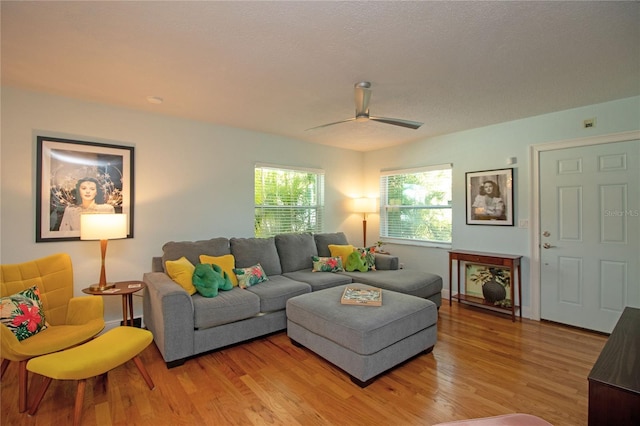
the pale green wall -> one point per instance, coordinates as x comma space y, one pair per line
488, 148
192, 181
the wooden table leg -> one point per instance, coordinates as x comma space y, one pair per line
124, 310
450, 278
130, 297
520, 289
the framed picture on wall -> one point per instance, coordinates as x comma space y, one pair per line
76, 177
490, 197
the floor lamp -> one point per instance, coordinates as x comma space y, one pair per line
103, 227
364, 206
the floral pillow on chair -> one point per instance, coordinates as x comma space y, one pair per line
22, 313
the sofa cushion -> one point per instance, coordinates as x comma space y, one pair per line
193, 249
319, 281
408, 281
229, 306
323, 240
251, 251
295, 251
274, 293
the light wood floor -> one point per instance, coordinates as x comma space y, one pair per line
482, 365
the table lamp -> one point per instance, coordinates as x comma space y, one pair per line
103, 227
364, 206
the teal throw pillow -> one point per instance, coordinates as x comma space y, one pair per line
207, 280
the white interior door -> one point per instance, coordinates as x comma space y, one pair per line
590, 234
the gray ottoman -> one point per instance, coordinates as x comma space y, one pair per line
364, 341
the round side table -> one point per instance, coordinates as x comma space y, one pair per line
126, 290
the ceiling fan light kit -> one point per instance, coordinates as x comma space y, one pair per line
362, 95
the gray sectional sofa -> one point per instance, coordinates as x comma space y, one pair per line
184, 326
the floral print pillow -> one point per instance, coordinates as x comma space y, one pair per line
250, 276
22, 313
369, 255
327, 264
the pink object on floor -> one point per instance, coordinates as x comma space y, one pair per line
504, 420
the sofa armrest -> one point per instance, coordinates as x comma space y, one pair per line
386, 262
168, 314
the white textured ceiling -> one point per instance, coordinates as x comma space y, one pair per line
283, 67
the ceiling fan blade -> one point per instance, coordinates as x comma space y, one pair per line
398, 122
331, 124
362, 94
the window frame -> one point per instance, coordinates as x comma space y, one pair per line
317, 208
385, 206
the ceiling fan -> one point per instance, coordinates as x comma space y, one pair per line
362, 96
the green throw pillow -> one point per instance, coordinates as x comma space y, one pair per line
207, 280
356, 262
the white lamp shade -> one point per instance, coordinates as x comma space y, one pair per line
364, 205
103, 226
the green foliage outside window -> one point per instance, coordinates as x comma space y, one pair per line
417, 205
288, 200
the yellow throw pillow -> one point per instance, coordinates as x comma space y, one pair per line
341, 251
181, 271
226, 262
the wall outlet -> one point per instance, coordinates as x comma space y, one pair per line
589, 123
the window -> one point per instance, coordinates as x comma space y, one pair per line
288, 200
415, 204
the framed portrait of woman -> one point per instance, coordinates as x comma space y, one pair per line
77, 177
490, 197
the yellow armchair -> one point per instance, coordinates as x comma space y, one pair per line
71, 320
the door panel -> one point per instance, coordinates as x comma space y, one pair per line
590, 253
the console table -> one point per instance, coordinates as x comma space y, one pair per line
614, 381
512, 262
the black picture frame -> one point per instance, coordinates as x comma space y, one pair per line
484, 209
61, 164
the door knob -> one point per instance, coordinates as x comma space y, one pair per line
547, 245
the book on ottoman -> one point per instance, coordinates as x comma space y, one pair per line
361, 296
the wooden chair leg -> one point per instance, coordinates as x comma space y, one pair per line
22, 386
77, 411
39, 395
143, 371
3, 367
102, 381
